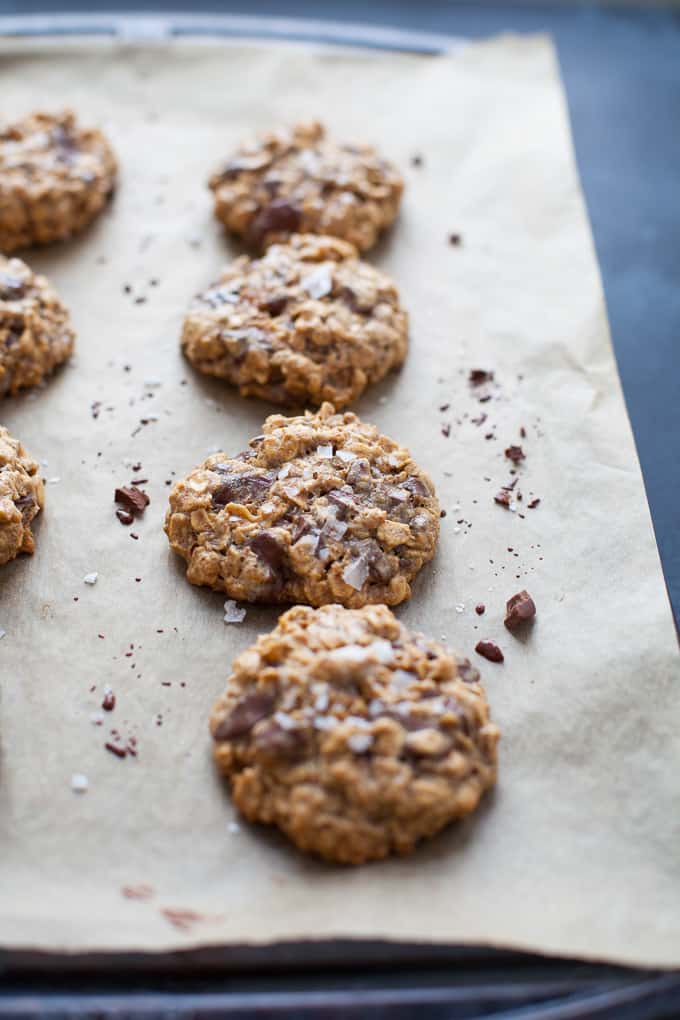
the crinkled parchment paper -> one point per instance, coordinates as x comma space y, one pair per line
576, 852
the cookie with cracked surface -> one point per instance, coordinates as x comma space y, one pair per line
299, 181
321, 508
21, 497
55, 176
307, 322
35, 328
356, 737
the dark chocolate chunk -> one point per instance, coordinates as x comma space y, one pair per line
109, 702
416, 486
515, 454
124, 516
24, 502
270, 550
279, 217
520, 609
341, 498
274, 305
116, 749
503, 497
455, 239
248, 711
478, 376
534, 503
132, 499
489, 651
240, 488
480, 609
273, 739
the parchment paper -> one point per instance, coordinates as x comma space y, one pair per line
577, 851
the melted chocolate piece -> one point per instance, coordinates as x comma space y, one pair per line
240, 488
270, 550
279, 217
248, 711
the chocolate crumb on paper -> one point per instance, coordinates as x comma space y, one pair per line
479, 376
515, 454
489, 651
137, 892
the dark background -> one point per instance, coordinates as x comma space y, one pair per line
621, 68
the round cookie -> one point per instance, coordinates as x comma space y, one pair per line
321, 509
299, 181
354, 736
307, 322
35, 329
21, 497
55, 176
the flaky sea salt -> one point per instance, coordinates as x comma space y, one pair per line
382, 650
79, 782
2, 633
325, 722
345, 455
91, 578
152, 382
319, 283
233, 613
355, 573
324, 451
54, 481
233, 827
460, 607
359, 742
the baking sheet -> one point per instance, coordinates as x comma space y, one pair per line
576, 851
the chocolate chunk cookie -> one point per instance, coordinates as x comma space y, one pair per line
35, 329
307, 322
321, 508
21, 497
55, 176
299, 181
354, 736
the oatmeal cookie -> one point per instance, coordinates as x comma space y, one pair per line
321, 508
307, 322
354, 736
35, 329
55, 176
299, 181
21, 497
